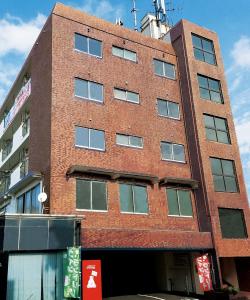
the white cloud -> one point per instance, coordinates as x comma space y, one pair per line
243, 130
18, 36
102, 9
241, 53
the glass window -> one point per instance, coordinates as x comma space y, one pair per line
91, 195
164, 69
232, 223
224, 176
216, 129
133, 198
203, 49
126, 95
124, 53
88, 90
88, 45
168, 109
174, 152
210, 89
179, 202
129, 140
90, 138
28, 203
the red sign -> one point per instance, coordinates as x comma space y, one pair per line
91, 280
203, 267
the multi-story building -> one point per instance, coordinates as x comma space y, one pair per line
132, 137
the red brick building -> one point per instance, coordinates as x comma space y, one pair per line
133, 137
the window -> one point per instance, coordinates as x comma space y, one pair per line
88, 45
90, 138
203, 49
126, 95
224, 175
133, 198
7, 148
210, 89
168, 109
232, 223
91, 195
124, 53
129, 140
164, 69
88, 90
27, 203
179, 203
216, 129
173, 152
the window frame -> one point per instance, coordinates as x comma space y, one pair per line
216, 130
178, 202
223, 176
126, 93
23, 194
168, 116
133, 193
203, 50
90, 148
123, 52
129, 145
88, 38
209, 89
172, 152
91, 195
243, 223
164, 69
89, 98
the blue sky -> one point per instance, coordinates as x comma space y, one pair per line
21, 21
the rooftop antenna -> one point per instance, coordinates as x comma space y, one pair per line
134, 12
161, 11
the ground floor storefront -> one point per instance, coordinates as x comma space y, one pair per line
125, 273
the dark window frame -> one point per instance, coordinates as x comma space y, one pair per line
202, 39
178, 202
217, 130
210, 90
225, 175
91, 181
22, 206
88, 38
229, 234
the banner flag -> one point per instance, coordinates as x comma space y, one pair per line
203, 268
72, 271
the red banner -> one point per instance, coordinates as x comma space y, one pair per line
203, 267
91, 280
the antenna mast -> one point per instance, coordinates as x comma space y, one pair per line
134, 12
161, 11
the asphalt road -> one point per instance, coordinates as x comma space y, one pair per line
151, 297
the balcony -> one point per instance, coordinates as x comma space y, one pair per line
20, 99
19, 137
19, 172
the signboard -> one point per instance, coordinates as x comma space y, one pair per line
203, 267
19, 101
72, 270
91, 280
